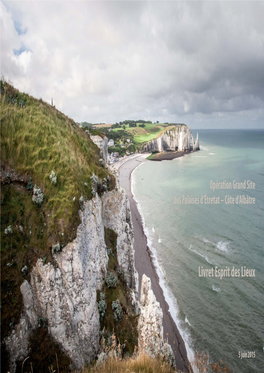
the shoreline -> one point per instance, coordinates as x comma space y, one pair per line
145, 264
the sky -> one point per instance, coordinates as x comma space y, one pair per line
198, 63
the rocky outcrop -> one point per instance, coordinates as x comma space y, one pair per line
179, 138
64, 292
150, 325
117, 216
196, 144
102, 143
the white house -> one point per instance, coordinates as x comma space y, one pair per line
111, 143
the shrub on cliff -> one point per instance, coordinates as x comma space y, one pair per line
117, 310
30, 185
53, 178
120, 273
38, 196
8, 230
102, 306
111, 280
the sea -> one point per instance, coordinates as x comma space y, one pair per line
193, 225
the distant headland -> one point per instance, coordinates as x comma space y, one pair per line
164, 141
174, 142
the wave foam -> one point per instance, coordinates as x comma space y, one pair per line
207, 241
187, 321
221, 245
216, 289
203, 256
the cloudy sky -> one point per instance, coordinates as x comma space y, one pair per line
201, 63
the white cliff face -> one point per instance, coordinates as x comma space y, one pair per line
117, 216
64, 293
178, 138
150, 327
102, 144
196, 144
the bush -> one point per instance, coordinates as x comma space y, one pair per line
53, 178
8, 230
12, 96
120, 273
102, 306
38, 196
111, 280
117, 309
30, 185
110, 252
81, 201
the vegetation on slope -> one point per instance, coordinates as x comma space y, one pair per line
138, 132
142, 132
141, 363
122, 323
37, 139
45, 356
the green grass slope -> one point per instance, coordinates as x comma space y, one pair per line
150, 131
37, 139
143, 134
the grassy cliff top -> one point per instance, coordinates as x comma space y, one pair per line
150, 131
37, 139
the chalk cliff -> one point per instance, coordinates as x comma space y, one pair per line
196, 143
150, 325
178, 138
102, 143
64, 292
60, 288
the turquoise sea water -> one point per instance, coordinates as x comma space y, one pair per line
223, 317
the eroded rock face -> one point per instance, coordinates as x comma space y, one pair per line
150, 327
117, 216
178, 138
196, 145
102, 144
64, 293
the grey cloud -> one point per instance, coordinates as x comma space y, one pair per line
108, 61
